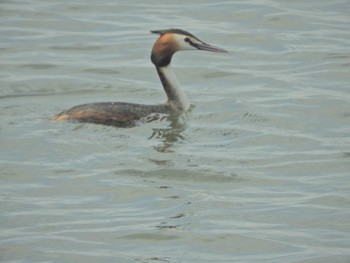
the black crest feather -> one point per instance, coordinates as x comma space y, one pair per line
173, 31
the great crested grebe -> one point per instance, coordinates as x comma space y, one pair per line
122, 114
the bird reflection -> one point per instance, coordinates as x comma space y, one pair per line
169, 135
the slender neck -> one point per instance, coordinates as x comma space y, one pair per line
177, 99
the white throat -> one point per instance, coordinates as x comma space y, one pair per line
176, 97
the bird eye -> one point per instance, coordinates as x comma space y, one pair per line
187, 40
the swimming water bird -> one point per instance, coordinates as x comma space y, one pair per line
122, 114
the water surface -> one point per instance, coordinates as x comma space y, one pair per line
257, 171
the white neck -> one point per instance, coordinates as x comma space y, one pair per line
176, 97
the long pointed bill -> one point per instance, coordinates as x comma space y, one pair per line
207, 47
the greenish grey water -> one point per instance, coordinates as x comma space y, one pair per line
258, 171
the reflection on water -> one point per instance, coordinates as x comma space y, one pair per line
171, 134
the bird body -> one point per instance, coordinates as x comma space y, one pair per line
122, 114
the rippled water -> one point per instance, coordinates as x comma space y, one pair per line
258, 171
